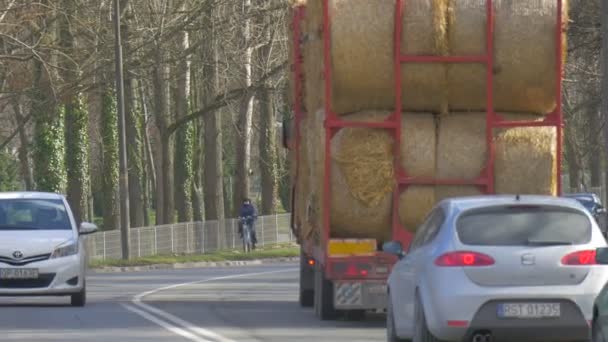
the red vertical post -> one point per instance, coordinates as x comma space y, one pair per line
399, 8
490, 113
297, 71
328, 129
558, 89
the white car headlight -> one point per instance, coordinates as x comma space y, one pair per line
66, 249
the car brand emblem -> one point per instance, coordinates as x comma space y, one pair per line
528, 259
17, 255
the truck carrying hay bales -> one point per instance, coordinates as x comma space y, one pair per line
525, 163
362, 54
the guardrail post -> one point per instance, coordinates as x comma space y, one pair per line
172, 241
276, 225
262, 231
188, 238
217, 246
233, 225
155, 242
138, 242
203, 237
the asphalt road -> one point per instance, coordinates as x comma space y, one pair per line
212, 304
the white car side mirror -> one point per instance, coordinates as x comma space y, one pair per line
87, 228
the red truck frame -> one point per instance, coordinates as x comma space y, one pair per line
317, 255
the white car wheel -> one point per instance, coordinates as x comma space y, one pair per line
391, 333
421, 330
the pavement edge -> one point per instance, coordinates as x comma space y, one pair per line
203, 264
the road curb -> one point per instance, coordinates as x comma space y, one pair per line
203, 264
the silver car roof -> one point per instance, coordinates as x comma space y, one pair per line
473, 202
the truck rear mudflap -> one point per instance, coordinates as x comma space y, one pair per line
359, 295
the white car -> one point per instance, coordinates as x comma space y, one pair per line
498, 268
41, 249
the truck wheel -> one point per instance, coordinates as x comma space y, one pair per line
324, 297
354, 315
307, 282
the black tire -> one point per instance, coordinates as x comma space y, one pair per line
324, 297
421, 330
596, 332
354, 315
79, 299
307, 282
391, 333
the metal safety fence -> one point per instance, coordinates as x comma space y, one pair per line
188, 238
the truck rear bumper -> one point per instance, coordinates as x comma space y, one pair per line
359, 295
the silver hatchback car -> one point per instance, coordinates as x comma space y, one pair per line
497, 268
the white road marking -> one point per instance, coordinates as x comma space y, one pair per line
173, 329
177, 325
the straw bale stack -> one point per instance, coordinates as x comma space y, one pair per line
362, 54
362, 179
525, 157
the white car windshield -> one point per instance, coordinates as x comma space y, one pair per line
33, 214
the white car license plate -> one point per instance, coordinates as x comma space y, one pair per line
18, 273
529, 310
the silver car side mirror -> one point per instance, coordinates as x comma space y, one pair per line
87, 228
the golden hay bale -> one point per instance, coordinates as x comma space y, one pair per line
525, 157
525, 60
362, 179
526, 161
414, 204
362, 54
418, 158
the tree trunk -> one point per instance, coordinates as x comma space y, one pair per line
134, 149
197, 196
49, 166
214, 169
24, 155
268, 157
244, 133
574, 169
76, 120
132, 127
164, 175
77, 157
109, 131
213, 157
183, 146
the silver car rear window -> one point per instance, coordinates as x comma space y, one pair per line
523, 226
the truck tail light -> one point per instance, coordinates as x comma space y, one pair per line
352, 269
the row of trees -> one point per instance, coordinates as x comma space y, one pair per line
205, 85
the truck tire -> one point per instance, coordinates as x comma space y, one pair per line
324, 297
354, 315
307, 282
